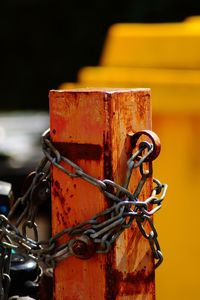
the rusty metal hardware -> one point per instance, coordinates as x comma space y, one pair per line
154, 139
97, 234
82, 247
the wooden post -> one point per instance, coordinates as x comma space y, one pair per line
90, 127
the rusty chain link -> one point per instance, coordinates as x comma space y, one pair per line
98, 233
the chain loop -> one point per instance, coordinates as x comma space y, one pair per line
98, 233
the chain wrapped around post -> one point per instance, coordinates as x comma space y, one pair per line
97, 234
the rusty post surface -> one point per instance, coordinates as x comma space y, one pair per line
90, 127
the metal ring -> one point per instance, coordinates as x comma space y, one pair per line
154, 139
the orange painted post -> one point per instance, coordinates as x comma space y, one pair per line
90, 127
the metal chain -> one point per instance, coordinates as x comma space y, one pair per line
5, 257
98, 233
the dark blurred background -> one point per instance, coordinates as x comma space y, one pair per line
45, 42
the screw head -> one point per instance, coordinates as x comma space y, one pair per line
82, 247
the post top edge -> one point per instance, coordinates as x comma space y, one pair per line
102, 90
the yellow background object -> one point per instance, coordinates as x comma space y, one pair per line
177, 222
174, 45
173, 90
165, 58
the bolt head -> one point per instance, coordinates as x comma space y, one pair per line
82, 247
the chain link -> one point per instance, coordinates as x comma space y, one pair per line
98, 233
5, 258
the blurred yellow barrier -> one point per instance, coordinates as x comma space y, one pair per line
166, 85
166, 58
173, 45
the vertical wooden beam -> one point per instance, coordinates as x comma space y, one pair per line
90, 127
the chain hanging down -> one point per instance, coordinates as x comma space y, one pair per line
98, 233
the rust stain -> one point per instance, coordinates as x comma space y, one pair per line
57, 184
130, 284
113, 279
136, 283
58, 217
75, 151
107, 139
63, 221
107, 157
57, 192
142, 102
